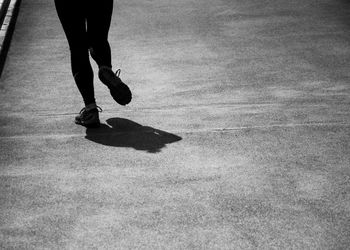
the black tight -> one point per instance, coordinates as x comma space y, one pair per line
86, 24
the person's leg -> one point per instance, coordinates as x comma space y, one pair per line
99, 17
72, 17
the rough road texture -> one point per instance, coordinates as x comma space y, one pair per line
237, 136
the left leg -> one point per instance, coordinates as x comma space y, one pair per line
72, 17
73, 20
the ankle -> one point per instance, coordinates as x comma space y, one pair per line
105, 68
90, 106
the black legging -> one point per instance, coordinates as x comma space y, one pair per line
86, 24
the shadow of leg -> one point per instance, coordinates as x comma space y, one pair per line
126, 133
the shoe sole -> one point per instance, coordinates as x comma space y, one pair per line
91, 125
94, 124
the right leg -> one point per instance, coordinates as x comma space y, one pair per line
72, 15
99, 17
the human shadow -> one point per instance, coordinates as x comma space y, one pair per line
119, 132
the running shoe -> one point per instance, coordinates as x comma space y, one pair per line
119, 90
89, 118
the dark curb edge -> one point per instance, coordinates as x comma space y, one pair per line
8, 16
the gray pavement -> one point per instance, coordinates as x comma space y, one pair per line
237, 136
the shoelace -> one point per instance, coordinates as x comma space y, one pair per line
117, 73
99, 109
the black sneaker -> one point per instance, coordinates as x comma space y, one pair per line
119, 90
89, 118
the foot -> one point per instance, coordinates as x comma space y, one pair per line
89, 118
119, 90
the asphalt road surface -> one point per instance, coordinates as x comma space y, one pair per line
237, 136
